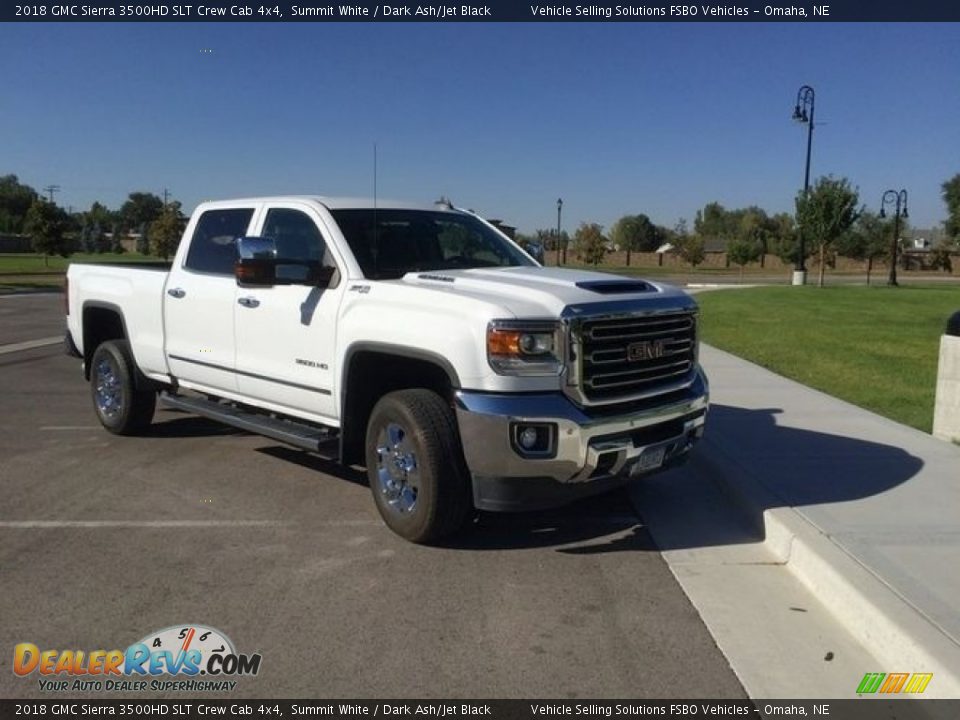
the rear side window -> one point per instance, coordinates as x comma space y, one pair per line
213, 247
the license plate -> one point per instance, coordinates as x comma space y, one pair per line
649, 460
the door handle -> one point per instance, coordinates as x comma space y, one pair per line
176, 292
249, 302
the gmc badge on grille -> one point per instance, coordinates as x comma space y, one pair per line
646, 350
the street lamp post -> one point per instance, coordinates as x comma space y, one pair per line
899, 199
559, 208
803, 112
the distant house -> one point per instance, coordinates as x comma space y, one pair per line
923, 239
509, 230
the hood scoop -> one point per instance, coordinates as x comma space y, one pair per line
615, 287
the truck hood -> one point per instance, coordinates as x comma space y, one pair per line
547, 291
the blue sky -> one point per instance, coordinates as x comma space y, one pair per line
504, 118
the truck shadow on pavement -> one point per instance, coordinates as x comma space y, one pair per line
749, 464
686, 507
586, 521
600, 524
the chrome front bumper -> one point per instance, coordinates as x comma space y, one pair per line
592, 449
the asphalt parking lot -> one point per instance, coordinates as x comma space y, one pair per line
104, 539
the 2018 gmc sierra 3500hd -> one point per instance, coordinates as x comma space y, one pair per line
416, 340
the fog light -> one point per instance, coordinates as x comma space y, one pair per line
528, 438
534, 439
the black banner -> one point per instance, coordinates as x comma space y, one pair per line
861, 709
491, 11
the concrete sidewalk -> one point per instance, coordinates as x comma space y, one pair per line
863, 511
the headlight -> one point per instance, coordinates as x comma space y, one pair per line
517, 347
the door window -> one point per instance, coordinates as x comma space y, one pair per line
296, 235
213, 247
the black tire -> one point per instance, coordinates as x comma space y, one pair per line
120, 406
417, 422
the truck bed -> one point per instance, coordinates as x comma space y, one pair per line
136, 291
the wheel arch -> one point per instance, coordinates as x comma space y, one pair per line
103, 321
372, 369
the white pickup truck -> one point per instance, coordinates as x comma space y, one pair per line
418, 341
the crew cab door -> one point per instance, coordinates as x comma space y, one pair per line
200, 299
286, 333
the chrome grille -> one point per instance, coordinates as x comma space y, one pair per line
634, 356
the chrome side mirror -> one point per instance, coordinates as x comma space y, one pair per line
256, 248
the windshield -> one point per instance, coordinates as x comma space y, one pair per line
423, 240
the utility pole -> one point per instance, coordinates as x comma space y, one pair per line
166, 197
50, 190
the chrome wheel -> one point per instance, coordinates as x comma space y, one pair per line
108, 390
418, 479
398, 475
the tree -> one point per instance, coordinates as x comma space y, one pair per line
166, 230
532, 245
99, 239
636, 232
951, 196
940, 257
691, 248
140, 208
548, 240
688, 247
143, 242
785, 242
868, 240
15, 201
825, 213
96, 219
116, 241
742, 251
46, 224
591, 244
679, 230
83, 239
755, 226
99, 213
715, 221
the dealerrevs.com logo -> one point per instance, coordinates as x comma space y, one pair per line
198, 658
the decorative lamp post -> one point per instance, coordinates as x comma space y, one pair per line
803, 112
899, 200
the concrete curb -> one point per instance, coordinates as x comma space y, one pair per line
897, 633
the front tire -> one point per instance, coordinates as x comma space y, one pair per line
120, 406
415, 465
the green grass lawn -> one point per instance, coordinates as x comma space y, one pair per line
876, 347
30, 263
27, 272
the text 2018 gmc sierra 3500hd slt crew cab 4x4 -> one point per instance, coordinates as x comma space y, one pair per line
416, 340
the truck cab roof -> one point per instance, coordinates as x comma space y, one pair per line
334, 203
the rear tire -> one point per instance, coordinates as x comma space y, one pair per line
120, 406
415, 465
